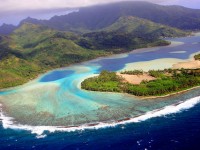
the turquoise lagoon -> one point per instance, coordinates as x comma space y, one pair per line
55, 99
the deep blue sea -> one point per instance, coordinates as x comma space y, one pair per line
56, 100
180, 131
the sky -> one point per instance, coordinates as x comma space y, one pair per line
12, 11
15, 16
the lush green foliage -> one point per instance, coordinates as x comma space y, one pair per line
15, 71
106, 81
139, 27
157, 73
118, 41
129, 33
33, 49
168, 82
49, 48
197, 57
133, 72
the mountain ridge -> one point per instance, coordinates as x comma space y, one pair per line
129, 33
100, 16
6, 29
92, 18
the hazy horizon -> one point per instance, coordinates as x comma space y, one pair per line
13, 11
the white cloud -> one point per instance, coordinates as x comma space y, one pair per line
9, 5
12, 11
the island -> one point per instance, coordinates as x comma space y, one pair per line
33, 49
151, 83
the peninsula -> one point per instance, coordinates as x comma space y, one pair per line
151, 83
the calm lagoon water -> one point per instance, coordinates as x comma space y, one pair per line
40, 114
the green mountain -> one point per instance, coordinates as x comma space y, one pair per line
101, 16
48, 47
135, 25
32, 49
129, 33
14, 70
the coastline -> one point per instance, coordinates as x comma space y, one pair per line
168, 95
123, 54
191, 64
39, 131
125, 95
150, 97
137, 79
108, 56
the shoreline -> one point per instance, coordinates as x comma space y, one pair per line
94, 59
191, 64
39, 131
149, 97
137, 79
108, 56
168, 95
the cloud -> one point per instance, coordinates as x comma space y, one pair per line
14, 17
10, 5
16, 5
12, 11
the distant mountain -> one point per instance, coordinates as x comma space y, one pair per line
93, 18
48, 47
137, 26
101, 16
6, 29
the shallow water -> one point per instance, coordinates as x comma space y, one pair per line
55, 98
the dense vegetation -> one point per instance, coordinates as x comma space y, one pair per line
133, 72
129, 33
119, 42
168, 81
15, 71
197, 57
106, 81
50, 48
33, 49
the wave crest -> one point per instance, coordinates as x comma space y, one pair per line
8, 122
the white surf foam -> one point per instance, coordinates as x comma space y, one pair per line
39, 130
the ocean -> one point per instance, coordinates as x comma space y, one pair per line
53, 112
175, 131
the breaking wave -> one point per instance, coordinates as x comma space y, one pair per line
8, 122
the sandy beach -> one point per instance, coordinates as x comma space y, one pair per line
136, 79
193, 64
